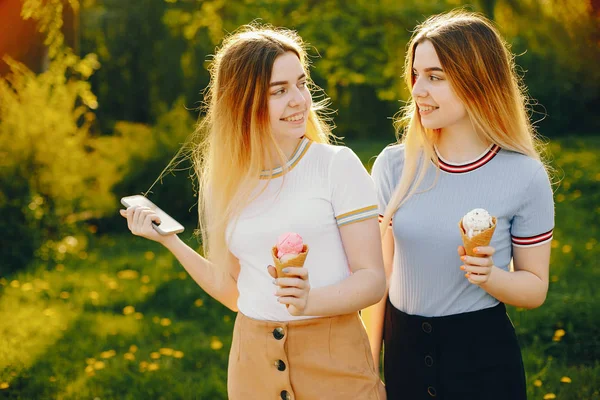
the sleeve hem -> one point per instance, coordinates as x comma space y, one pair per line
531, 241
360, 214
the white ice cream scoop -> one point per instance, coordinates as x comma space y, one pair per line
476, 221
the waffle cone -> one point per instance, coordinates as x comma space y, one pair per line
297, 261
482, 239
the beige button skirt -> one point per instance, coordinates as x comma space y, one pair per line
315, 359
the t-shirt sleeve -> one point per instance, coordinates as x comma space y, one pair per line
533, 223
381, 177
352, 190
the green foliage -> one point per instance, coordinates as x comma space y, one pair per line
155, 51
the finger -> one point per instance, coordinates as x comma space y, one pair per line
289, 292
476, 279
476, 270
461, 251
272, 271
291, 301
137, 214
477, 261
150, 217
123, 213
291, 282
296, 271
484, 251
130, 214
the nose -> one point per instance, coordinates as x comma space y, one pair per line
418, 89
297, 98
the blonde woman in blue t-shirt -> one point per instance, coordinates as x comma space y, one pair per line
467, 143
266, 167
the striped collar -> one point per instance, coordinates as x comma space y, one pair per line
469, 166
297, 155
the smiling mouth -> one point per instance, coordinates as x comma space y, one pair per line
427, 108
294, 118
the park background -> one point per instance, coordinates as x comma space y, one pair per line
96, 97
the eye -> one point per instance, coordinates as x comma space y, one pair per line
278, 91
302, 84
435, 78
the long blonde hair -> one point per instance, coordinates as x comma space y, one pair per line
231, 141
481, 70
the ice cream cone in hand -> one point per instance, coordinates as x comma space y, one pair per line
289, 251
476, 229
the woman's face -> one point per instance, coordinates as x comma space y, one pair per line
289, 98
439, 107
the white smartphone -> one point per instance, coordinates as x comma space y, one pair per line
168, 225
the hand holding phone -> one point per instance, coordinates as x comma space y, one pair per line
168, 225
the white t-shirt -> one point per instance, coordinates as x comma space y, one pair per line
324, 187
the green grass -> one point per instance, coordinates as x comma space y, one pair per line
94, 326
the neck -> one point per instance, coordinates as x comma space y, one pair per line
460, 143
287, 145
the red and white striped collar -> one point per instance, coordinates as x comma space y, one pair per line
469, 166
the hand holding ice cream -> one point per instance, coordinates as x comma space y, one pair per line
290, 254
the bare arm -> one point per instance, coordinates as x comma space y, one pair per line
374, 316
220, 282
364, 287
526, 286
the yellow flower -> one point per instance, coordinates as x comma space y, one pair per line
554, 278
154, 355
178, 354
94, 295
165, 322
14, 284
537, 383
549, 396
559, 333
198, 303
90, 361
155, 319
64, 295
165, 351
182, 275
138, 315
145, 279
153, 367
27, 287
149, 255
89, 369
567, 248
565, 379
4, 385
133, 348
99, 365
108, 354
216, 344
128, 310
129, 356
128, 274
52, 379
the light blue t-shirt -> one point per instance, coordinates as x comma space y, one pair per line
426, 278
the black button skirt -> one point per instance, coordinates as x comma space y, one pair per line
470, 356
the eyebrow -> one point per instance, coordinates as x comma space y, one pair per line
432, 69
285, 82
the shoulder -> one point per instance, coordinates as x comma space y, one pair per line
389, 160
524, 167
334, 153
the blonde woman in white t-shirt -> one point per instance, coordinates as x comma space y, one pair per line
266, 167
